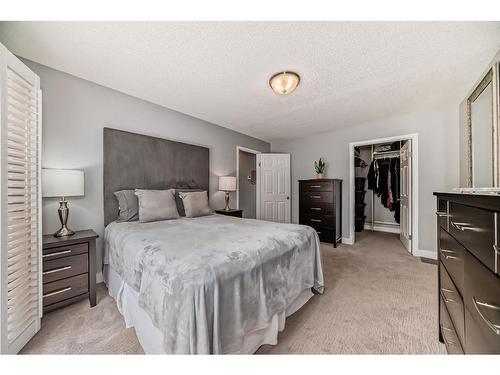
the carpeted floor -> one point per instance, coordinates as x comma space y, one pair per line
378, 299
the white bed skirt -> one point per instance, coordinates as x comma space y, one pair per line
151, 338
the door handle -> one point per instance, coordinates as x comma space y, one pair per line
494, 327
316, 220
316, 196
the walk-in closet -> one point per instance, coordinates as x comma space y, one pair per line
382, 188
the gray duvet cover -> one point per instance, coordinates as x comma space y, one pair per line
206, 282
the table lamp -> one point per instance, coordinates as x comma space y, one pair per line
62, 183
227, 184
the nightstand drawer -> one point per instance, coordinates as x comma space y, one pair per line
66, 288
64, 267
65, 251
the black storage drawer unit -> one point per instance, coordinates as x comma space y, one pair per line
320, 206
469, 279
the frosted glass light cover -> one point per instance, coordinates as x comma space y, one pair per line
284, 83
227, 183
62, 183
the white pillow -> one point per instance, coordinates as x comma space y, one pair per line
195, 203
155, 205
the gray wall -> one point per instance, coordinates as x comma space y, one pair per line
74, 113
248, 192
438, 159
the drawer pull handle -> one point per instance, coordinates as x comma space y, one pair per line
446, 340
442, 214
315, 208
494, 327
464, 226
446, 299
57, 253
445, 253
318, 232
56, 270
57, 292
315, 186
316, 220
316, 196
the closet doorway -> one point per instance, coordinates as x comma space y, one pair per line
384, 187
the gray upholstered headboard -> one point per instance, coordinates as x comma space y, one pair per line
133, 161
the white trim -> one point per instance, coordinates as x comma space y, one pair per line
415, 200
250, 151
382, 228
431, 254
347, 241
99, 278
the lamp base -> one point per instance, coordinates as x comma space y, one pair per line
64, 232
63, 212
227, 202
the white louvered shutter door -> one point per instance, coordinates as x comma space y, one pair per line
20, 204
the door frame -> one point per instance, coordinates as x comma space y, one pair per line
250, 151
414, 175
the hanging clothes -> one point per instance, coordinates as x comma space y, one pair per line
384, 179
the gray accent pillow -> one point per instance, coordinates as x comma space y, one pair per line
128, 208
178, 199
155, 205
195, 203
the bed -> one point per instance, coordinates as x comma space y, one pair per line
212, 284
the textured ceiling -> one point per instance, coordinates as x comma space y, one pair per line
351, 72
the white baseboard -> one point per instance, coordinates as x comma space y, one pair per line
431, 254
348, 240
382, 228
99, 278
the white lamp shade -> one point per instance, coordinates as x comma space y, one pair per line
62, 183
227, 183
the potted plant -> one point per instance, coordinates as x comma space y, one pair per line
320, 166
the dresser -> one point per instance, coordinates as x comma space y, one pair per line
320, 206
469, 272
230, 212
69, 269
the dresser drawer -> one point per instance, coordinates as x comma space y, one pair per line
317, 220
482, 302
452, 254
448, 332
453, 301
316, 197
325, 235
443, 214
65, 251
316, 186
316, 207
66, 288
62, 268
474, 228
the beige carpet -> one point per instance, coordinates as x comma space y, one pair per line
378, 299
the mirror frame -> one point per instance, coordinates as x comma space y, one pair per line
490, 77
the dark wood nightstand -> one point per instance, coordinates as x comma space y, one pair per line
231, 212
69, 265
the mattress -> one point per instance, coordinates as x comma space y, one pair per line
207, 284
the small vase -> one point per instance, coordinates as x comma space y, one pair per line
320, 175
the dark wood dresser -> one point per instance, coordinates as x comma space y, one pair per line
69, 269
320, 206
469, 272
231, 212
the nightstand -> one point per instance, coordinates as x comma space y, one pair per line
69, 269
231, 212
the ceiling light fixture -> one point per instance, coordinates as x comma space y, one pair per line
284, 83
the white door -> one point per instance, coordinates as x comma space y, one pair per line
20, 203
406, 196
273, 187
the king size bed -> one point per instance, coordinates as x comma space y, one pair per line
198, 285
